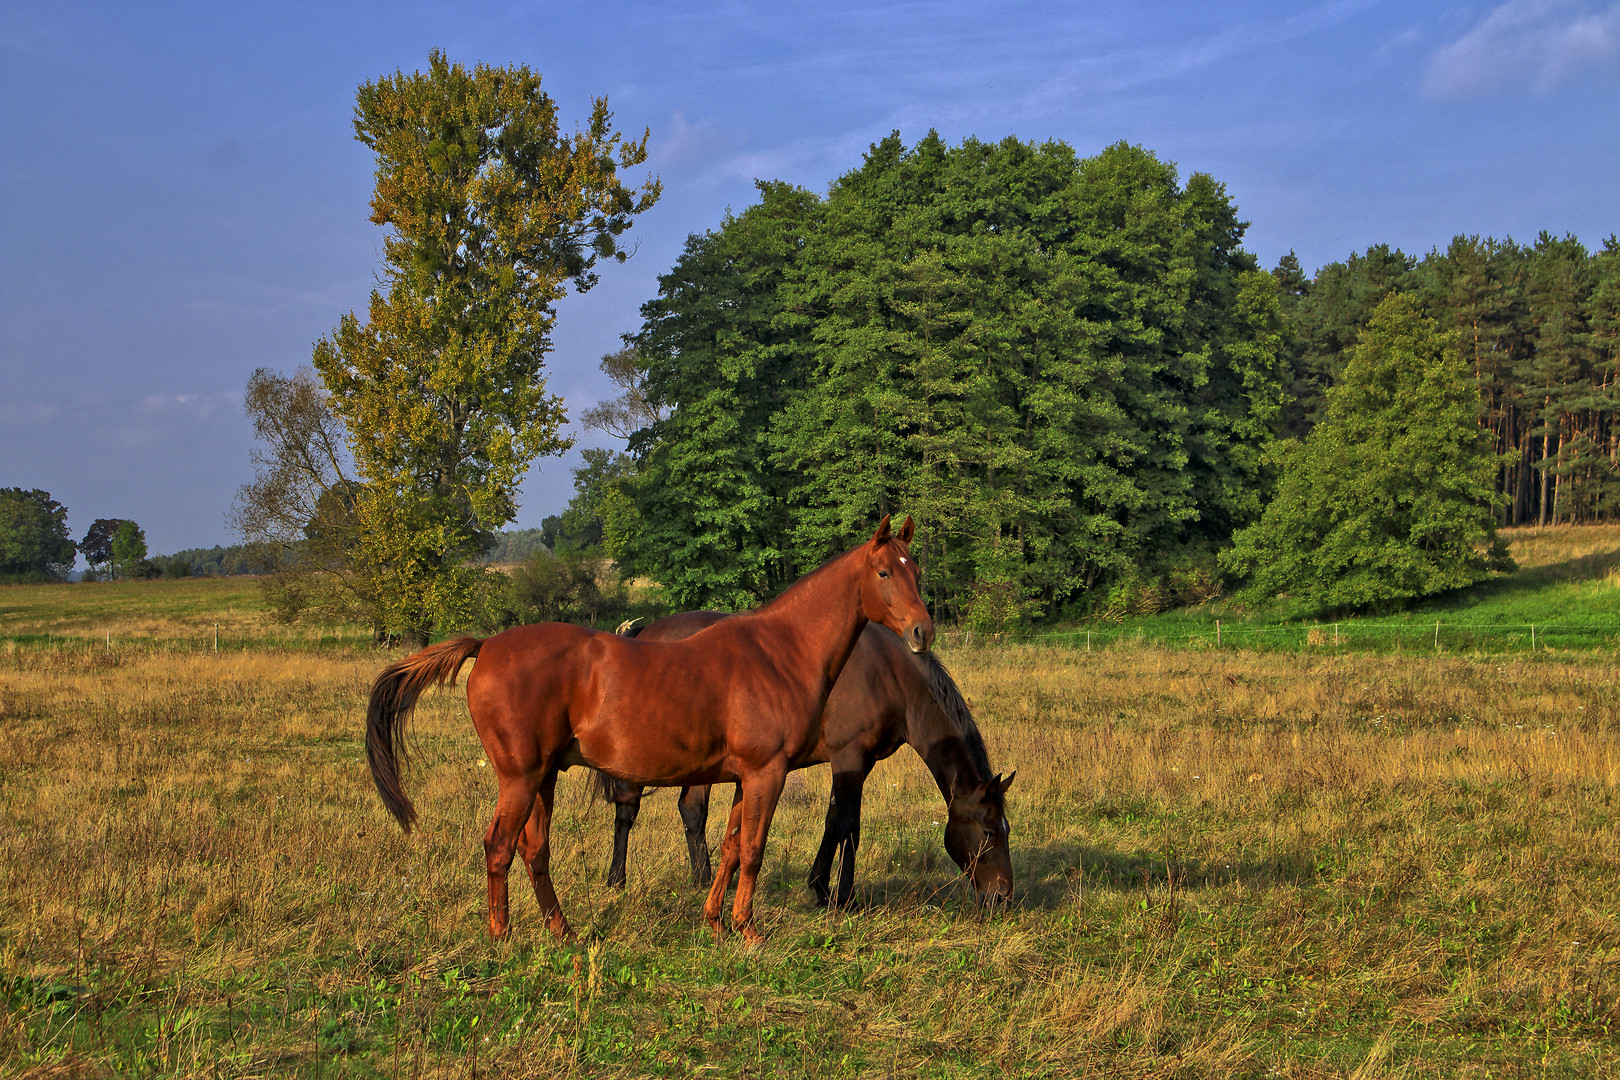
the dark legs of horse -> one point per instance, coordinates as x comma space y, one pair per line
694, 804
626, 805
695, 816
841, 837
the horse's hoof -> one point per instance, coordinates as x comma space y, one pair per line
752, 938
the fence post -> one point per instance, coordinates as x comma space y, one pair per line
216, 637
1217, 633
1532, 637
1088, 641
1437, 635
1335, 634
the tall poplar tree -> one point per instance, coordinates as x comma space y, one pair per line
493, 211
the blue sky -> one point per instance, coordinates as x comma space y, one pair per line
182, 200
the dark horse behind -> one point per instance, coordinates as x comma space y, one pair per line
886, 697
740, 702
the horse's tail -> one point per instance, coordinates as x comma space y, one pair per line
393, 696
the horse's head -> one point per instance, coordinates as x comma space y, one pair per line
889, 592
976, 837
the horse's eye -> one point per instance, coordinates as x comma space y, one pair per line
883, 573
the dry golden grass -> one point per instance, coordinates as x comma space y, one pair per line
1533, 547
1228, 864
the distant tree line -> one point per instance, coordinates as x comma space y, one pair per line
1068, 369
1077, 379
1538, 327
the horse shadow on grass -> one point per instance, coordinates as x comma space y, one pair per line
1052, 876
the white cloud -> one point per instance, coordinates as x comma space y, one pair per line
1534, 43
201, 406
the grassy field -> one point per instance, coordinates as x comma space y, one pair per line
1566, 595
1307, 863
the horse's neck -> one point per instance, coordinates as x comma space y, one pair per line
942, 747
820, 615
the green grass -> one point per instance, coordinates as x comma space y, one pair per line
1565, 596
185, 613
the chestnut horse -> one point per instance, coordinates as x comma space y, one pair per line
739, 702
885, 697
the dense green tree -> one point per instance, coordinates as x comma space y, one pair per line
596, 482
1327, 319
1390, 497
707, 514
1049, 361
96, 547
34, 540
493, 211
1064, 368
128, 550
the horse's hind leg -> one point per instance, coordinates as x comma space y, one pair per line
626, 805
841, 836
695, 816
536, 847
512, 808
716, 903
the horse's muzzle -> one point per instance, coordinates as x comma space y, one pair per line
920, 637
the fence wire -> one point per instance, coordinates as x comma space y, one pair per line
1412, 636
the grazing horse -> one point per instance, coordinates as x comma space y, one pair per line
884, 698
739, 702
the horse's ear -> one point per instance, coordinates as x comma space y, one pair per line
906, 530
1003, 785
882, 534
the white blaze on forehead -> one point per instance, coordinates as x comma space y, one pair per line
902, 559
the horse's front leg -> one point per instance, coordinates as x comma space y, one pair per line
716, 903
536, 849
512, 806
849, 805
695, 816
759, 806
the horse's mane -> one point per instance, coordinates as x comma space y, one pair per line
942, 688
